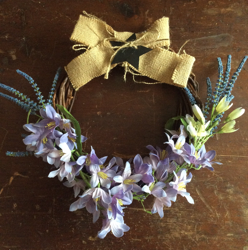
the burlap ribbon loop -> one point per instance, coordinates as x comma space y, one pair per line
95, 36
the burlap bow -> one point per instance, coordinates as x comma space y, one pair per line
97, 38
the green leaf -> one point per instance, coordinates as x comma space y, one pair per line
76, 125
185, 124
169, 124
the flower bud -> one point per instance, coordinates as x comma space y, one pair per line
191, 130
235, 114
222, 106
198, 113
228, 128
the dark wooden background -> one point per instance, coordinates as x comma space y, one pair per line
121, 118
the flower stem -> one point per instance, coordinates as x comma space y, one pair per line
29, 112
145, 208
85, 179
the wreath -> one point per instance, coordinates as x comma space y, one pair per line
104, 187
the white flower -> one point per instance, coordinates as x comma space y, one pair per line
117, 227
198, 113
181, 139
196, 128
179, 183
65, 170
191, 130
235, 114
66, 152
55, 155
222, 106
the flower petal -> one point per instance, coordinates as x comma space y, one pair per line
105, 182
118, 179
94, 180
146, 189
106, 197
136, 177
96, 216
137, 161
50, 160
81, 160
127, 171
159, 193
53, 173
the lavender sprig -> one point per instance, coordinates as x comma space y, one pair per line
229, 87
19, 154
209, 98
23, 105
217, 92
34, 85
23, 97
227, 74
55, 80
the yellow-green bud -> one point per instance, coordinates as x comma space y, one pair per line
228, 128
235, 114
222, 106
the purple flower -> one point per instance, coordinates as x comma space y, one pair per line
55, 155
119, 163
160, 195
155, 156
127, 180
70, 139
65, 124
38, 138
99, 173
65, 170
117, 227
177, 134
53, 158
51, 119
160, 202
143, 168
81, 160
162, 170
43, 130
155, 189
93, 159
118, 200
179, 183
200, 158
90, 199
176, 148
49, 157
77, 185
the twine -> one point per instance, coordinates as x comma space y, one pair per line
95, 36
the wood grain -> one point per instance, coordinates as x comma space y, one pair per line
121, 118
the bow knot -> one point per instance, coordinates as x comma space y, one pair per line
141, 53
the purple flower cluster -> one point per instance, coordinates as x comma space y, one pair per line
53, 139
183, 153
115, 185
106, 188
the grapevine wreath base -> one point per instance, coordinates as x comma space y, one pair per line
65, 95
104, 187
